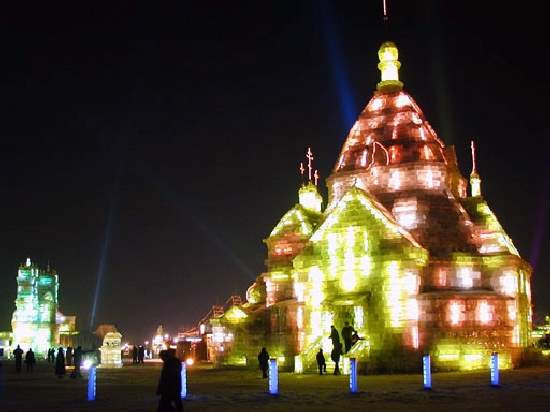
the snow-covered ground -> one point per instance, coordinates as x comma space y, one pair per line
132, 388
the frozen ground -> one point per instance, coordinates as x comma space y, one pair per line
132, 388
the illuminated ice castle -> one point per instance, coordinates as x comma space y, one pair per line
401, 251
37, 322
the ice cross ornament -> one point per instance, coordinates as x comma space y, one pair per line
309, 157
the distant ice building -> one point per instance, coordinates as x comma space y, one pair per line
36, 321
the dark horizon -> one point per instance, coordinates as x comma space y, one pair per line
187, 125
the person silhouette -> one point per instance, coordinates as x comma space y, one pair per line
347, 335
135, 354
263, 361
334, 336
321, 363
169, 387
141, 354
30, 360
69, 356
60, 363
77, 361
335, 356
18, 353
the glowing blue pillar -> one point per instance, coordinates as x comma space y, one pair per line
183, 381
91, 383
273, 377
353, 375
494, 369
427, 372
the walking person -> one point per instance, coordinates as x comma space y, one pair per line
347, 335
18, 354
60, 370
263, 361
169, 387
321, 363
30, 360
335, 356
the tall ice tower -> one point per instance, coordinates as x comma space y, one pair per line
34, 320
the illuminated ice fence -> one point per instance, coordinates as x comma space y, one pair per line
273, 377
494, 370
427, 372
92, 383
353, 387
183, 380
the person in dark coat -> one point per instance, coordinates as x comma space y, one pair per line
69, 356
169, 387
347, 334
60, 363
334, 336
77, 362
141, 354
30, 360
135, 354
335, 356
321, 363
263, 362
18, 353
49, 354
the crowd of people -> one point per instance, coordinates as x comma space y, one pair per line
60, 360
350, 337
169, 386
138, 354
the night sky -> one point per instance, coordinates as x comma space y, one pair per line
175, 134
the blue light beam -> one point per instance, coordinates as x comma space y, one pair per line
336, 62
106, 242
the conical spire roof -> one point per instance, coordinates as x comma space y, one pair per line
391, 129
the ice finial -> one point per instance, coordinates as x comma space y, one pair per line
302, 170
385, 9
475, 180
389, 68
308, 195
28, 263
309, 157
473, 148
